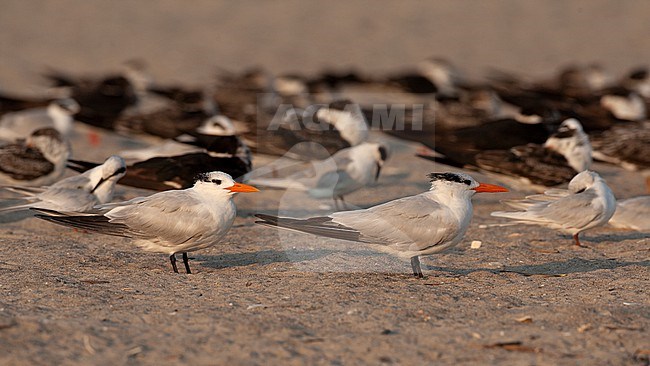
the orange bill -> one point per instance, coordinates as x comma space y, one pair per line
242, 188
490, 188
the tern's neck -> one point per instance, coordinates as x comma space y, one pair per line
451, 196
211, 193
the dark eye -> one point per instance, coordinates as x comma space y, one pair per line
216, 181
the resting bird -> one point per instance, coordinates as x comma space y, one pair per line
586, 204
345, 172
80, 193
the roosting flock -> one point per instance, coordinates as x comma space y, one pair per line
537, 134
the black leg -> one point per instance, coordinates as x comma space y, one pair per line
415, 264
172, 258
187, 263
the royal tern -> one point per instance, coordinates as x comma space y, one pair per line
58, 114
632, 213
587, 203
345, 172
408, 227
79, 193
169, 222
37, 161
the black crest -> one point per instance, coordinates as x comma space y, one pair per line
449, 177
203, 177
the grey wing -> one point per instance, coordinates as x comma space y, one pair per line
408, 224
80, 181
66, 199
171, 216
550, 195
571, 211
323, 173
333, 172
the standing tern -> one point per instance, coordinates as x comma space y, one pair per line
80, 193
345, 172
408, 227
36, 161
586, 204
168, 222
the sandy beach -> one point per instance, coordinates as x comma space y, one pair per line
527, 296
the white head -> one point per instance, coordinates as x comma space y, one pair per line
219, 125
591, 181
104, 177
51, 144
460, 184
377, 152
220, 184
583, 181
572, 142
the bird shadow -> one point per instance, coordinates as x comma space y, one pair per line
15, 216
556, 268
615, 237
262, 257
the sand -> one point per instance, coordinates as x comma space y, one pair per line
526, 296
